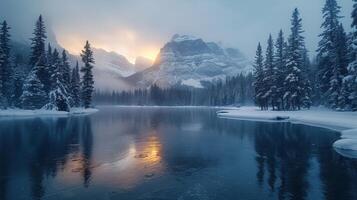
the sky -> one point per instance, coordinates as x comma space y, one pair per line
141, 27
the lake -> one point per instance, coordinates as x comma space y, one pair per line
169, 153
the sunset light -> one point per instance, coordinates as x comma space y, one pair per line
178, 99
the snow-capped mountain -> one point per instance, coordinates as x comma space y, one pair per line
188, 60
110, 70
113, 62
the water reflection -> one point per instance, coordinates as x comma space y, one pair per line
142, 153
33, 151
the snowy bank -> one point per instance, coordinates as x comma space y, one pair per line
39, 113
345, 122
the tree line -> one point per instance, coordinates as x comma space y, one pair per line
48, 81
285, 79
235, 90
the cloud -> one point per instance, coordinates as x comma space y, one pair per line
136, 27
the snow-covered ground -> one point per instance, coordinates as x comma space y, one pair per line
344, 122
36, 113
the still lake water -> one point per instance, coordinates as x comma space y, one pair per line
167, 153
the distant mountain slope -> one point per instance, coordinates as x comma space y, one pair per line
109, 72
188, 60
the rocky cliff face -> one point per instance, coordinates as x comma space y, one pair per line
188, 60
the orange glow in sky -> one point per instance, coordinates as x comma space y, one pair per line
124, 42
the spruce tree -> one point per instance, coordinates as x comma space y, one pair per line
58, 96
18, 80
259, 78
55, 68
38, 41
342, 61
3, 103
6, 70
306, 98
269, 76
75, 86
351, 79
34, 95
46, 72
280, 69
87, 78
66, 70
295, 91
327, 54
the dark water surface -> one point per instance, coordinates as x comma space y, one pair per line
166, 153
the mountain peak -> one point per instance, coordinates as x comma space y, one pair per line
181, 38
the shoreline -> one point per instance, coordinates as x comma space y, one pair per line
343, 122
18, 113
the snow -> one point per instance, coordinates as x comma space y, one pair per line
192, 83
345, 122
196, 59
42, 112
181, 38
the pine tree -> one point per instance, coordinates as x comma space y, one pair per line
280, 69
259, 78
87, 78
34, 95
351, 79
269, 75
66, 70
295, 91
55, 69
46, 72
5, 66
327, 54
3, 102
306, 75
75, 86
342, 61
19, 78
58, 96
38, 41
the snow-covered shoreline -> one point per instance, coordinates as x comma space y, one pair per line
45, 113
344, 122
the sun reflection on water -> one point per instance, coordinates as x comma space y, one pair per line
142, 161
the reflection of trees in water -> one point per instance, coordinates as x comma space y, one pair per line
336, 169
87, 144
284, 152
41, 148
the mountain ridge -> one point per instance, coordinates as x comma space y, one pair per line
189, 59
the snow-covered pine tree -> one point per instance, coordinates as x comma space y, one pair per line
87, 78
327, 55
259, 78
49, 55
6, 66
280, 69
295, 91
18, 80
56, 62
351, 79
3, 102
269, 75
342, 61
46, 77
75, 86
66, 70
38, 41
58, 96
306, 70
34, 95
